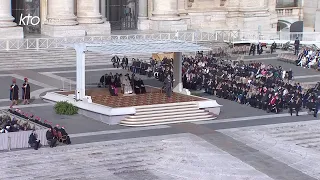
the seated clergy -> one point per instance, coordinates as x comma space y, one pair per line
139, 87
105, 80
65, 134
50, 138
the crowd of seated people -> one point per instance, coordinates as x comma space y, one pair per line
128, 84
255, 84
10, 124
309, 58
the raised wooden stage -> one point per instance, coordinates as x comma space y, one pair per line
151, 108
153, 96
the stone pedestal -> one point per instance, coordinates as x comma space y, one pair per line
62, 31
317, 21
164, 25
8, 29
103, 29
143, 24
11, 33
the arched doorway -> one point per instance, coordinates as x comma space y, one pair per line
23, 8
283, 26
122, 14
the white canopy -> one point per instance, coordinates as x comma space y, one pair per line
141, 47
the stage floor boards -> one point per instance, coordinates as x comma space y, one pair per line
153, 96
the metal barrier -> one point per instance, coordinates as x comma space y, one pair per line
15, 140
194, 36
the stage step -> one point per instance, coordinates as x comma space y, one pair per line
167, 114
164, 108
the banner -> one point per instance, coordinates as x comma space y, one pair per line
160, 56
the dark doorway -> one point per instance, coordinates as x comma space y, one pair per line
22, 8
297, 26
122, 14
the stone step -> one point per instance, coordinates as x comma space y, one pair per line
167, 114
164, 107
166, 121
191, 108
163, 116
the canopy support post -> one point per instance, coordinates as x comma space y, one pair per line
81, 71
177, 72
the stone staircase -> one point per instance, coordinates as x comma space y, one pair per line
52, 58
160, 114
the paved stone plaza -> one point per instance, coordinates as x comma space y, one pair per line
242, 143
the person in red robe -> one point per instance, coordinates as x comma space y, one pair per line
26, 91
14, 93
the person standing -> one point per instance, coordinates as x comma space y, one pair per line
252, 50
26, 91
168, 86
14, 93
296, 46
259, 48
298, 105
273, 47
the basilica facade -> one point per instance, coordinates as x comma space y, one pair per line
62, 18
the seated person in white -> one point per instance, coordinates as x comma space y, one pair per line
303, 61
312, 62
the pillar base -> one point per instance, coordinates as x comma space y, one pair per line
12, 33
143, 24
165, 25
62, 31
317, 21
96, 29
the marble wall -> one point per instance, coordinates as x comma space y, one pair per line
233, 15
311, 14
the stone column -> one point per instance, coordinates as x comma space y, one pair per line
165, 16
90, 19
143, 22
8, 29
103, 9
61, 21
88, 12
61, 13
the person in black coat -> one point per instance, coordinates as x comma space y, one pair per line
26, 91
65, 134
252, 49
14, 93
33, 141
